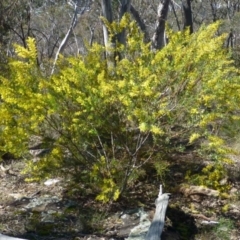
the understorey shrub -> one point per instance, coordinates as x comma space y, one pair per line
106, 121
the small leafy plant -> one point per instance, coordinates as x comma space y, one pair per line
224, 228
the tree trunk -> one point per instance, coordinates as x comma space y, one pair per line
107, 14
230, 39
125, 7
187, 14
175, 14
140, 22
159, 40
110, 44
74, 22
214, 10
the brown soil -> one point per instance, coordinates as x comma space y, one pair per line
36, 211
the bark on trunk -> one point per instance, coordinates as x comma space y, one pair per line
110, 43
125, 7
107, 13
73, 24
140, 22
175, 15
159, 40
230, 39
187, 14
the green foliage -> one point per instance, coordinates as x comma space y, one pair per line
221, 231
107, 122
211, 177
224, 228
161, 167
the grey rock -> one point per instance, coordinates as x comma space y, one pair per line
139, 232
5, 237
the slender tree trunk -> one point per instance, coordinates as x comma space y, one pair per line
125, 7
159, 40
92, 36
187, 14
140, 22
107, 14
110, 44
230, 39
214, 10
73, 24
175, 14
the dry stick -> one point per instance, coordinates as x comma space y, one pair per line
156, 227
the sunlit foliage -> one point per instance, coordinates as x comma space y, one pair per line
106, 122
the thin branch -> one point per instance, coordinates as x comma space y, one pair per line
92, 35
112, 143
140, 22
65, 39
143, 140
175, 14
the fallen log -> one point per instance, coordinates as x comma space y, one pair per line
156, 227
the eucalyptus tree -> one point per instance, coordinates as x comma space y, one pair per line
158, 39
51, 23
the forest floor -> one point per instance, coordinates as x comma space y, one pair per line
45, 210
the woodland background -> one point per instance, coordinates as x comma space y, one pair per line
118, 95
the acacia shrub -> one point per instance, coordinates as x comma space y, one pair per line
109, 121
